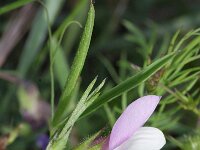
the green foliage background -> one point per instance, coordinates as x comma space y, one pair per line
141, 47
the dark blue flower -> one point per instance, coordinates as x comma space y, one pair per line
42, 141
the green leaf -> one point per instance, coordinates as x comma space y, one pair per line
61, 67
97, 89
38, 33
87, 99
54, 49
129, 84
186, 52
59, 142
81, 5
60, 137
110, 68
183, 80
14, 5
87, 143
172, 43
77, 10
110, 115
133, 29
76, 68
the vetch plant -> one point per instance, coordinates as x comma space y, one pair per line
152, 62
128, 133
63, 123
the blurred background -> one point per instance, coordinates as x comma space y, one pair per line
125, 32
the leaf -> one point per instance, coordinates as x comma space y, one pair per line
77, 10
14, 5
97, 89
54, 49
37, 34
76, 68
172, 43
129, 84
110, 68
61, 67
60, 137
86, 144
87, 99
186, 52
82, 5
133, 29
82, 100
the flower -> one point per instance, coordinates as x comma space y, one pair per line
128, 133
42, 141
33, 108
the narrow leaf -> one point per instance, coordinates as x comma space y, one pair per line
14, 5
129, 84
77, 67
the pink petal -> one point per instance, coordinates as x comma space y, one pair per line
106, 144
135, 115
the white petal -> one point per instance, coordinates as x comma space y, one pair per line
146, 138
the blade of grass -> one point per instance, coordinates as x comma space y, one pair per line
110, 115
108, 65
129, 83
37, 34
14, 5
59, 58
61, 67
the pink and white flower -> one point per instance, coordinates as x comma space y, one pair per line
128, 133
